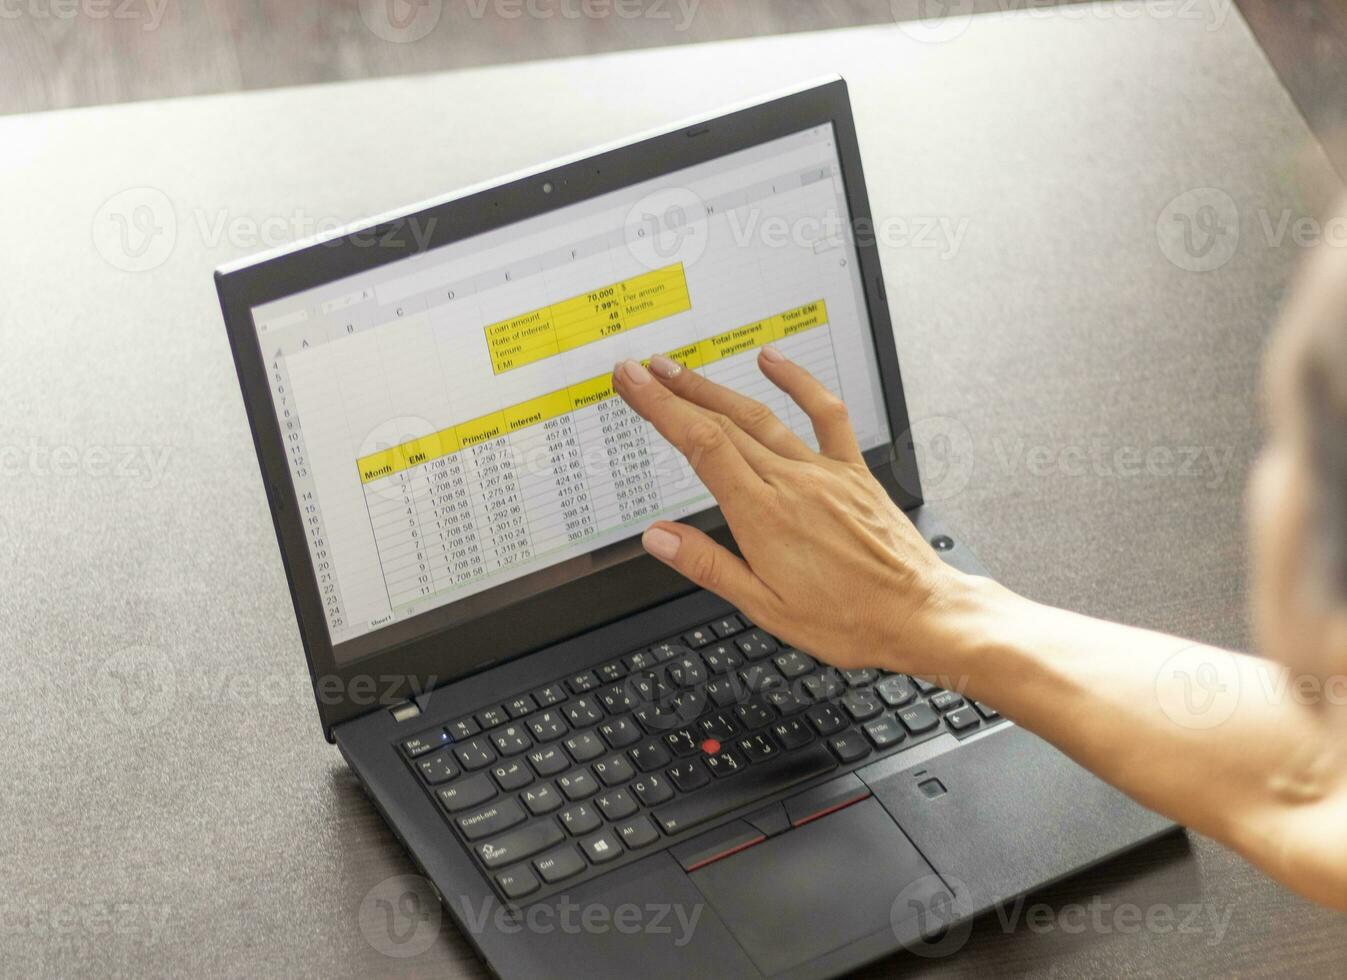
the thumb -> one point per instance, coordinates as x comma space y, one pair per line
707, 564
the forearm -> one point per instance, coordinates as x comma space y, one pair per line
1224, 749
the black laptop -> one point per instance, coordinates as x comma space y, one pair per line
603, 771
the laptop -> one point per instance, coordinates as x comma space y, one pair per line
601, 770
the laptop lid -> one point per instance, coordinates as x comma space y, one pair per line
451, 479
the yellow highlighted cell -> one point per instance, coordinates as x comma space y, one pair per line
582, 394
589, 317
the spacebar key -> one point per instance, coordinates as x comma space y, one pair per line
758, 781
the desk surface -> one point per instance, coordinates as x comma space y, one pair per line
171, 807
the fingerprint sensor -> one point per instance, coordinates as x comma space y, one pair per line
931, 788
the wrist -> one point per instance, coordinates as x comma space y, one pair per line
965, 618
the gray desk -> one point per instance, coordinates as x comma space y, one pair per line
169, 805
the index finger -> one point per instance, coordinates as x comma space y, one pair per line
714, 457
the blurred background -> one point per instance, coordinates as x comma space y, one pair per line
56, 54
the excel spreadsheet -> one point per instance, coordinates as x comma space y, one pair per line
449, 419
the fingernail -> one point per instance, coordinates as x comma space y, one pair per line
664, 367
661, 543
632, 372
770, 353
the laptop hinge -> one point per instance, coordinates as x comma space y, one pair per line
405, 711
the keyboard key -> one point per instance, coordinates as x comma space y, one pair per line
755, 644
652, 789
759, 747
687, 671
727, 626
919, 718
946, 701
577, 784
541, 799
699, 637
689, 774
826, 719
722, 658
646, 686
669, 650
785, 771
511, 740
550, 695
620, 732
580, 819
793, 663
559, 865
614, 769
895, 691
726, 762
684, 741
582, 712
602, 847
613, 671
860, 676
759, 678
618, 698
849, 746
512, 775
786, 701
861, 704
467, 793
792, 733
548, 725
518, 844
990, 713
493, 716
962, 719
884, 731
637, 832
824, 685
548, 761
520, 706
755, 713
720, 726
649, 755
491, 819
585, 746
419, 745
615, 804
640, 660
517, 882
584, 681
476, 753
725, 691
438, 768
463, 729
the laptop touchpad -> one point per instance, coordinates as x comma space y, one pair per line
811, 890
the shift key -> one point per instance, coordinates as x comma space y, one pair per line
519, 844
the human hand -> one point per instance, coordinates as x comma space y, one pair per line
830, 564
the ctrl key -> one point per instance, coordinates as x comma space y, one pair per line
559, 864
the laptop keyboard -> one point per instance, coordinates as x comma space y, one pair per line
568, 781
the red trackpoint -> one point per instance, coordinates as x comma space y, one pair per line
710, 746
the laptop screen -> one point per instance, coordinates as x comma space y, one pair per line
449, 419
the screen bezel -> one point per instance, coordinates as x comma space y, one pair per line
406, 669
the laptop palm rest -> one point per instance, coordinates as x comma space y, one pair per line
797, 896
1005, 813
